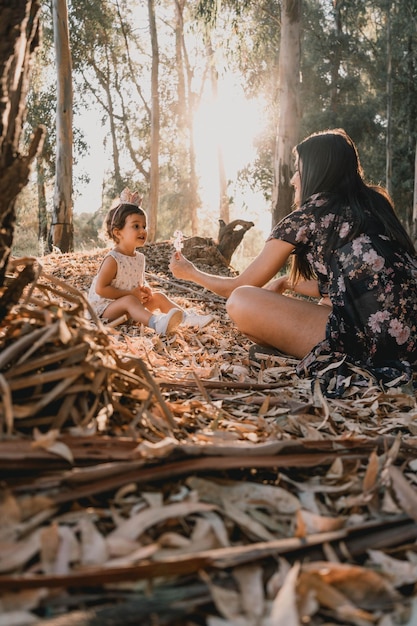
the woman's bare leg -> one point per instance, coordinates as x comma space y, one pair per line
291, 325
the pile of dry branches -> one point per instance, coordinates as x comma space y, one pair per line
174, 481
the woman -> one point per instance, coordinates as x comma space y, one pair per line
349, 251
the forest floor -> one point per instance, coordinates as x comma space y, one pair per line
175, 481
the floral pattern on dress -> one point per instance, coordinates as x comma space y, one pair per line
372, 284
130, 274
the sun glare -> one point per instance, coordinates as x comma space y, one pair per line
229, 124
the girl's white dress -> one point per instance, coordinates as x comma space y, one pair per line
130, 274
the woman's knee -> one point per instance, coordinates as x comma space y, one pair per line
238, 301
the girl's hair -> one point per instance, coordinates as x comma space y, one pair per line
116, 217
329, 163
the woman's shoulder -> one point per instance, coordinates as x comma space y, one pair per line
317, 200
308, 209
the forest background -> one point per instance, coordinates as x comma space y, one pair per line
213, 65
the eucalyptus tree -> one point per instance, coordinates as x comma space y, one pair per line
120, 67
100, 72
155, 124
403, 110
21, 30
289, 107
185, 117
62, 227
274, 28
341, 85
359, 66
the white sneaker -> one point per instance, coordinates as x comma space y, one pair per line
166, 323
194, 319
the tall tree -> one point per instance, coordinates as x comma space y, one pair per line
185, 117
414, 218
289, 115
155, 125
223, 196
19, 34
388, 142
62, 228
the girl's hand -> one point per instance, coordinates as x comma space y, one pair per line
181, 267
146, 293
138, 293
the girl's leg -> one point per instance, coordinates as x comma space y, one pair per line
292, 325
160, 301
163, 323
130, 306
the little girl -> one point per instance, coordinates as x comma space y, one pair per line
119, 287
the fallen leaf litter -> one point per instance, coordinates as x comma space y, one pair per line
174, 481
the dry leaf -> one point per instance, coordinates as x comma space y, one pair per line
93, 545
284, 610
309, 523
404, 493
19, 553
250, 581
133, 528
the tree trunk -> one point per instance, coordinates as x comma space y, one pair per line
289, 118
42, 215
117, 172
155, 123
62, 227
336, 58
230, 236
205, 251
19, 38
414, 224
186, 100
224, 212
388, 143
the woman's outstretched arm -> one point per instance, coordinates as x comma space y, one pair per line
262, 269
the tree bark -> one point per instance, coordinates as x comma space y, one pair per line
186, 101
62, 227
388, 143
414, 224
155, 127
230, 236
289, 118
224, 208
19, 38
205, 250
42, 214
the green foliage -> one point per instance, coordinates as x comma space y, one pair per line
344, 76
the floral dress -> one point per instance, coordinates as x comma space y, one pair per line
130, 274
372, 284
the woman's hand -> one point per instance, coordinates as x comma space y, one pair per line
181, 267
279, 285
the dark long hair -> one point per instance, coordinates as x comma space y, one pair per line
329, 163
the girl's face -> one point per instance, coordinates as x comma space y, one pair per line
296, 183
133, 234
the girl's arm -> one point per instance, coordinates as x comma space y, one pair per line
262, 269
106, 274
